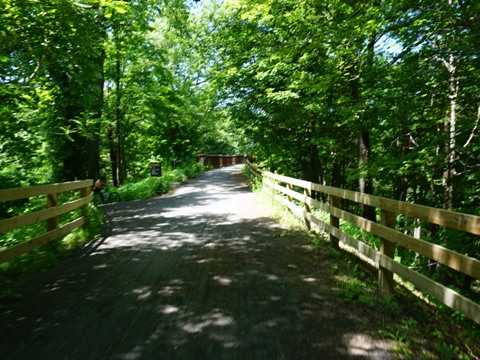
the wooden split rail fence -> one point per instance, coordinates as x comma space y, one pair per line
51, 214
286, 188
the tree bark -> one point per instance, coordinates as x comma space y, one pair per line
450, 128
93, 170
116, 148
365, 181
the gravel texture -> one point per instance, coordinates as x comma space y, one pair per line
200, 273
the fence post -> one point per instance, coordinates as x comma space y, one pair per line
289, 187
307, 192
84, 192
387, 248
52, 200
334, 221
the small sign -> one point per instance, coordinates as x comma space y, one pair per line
155, 169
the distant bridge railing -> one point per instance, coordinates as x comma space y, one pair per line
217, 161
50, 215
297, 196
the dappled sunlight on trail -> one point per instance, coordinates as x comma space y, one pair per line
201, 273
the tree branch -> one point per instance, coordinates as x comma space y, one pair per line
472, 134
35, 71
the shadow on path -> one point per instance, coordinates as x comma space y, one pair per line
201, 273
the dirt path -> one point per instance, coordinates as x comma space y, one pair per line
200, 273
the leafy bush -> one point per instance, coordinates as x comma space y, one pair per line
142, 189
153, 186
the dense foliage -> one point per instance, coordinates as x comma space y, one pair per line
359, 94
99, 87
380, 96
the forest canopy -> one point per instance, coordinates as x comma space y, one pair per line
379, 96
101, 87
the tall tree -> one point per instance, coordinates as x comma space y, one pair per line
47, 45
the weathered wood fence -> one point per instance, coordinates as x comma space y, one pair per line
51, 214
288, 188
217, 161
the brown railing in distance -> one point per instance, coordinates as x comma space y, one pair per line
217, 161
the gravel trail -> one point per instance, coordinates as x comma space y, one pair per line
200, 273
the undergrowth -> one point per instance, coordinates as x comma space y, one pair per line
420, 329
153, 186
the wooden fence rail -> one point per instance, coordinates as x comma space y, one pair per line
385, 230
50, 215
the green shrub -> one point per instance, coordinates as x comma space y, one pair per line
154, 186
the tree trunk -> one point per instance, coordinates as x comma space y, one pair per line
116, 154
113, 153
93, 170
363, 141
336, 173
450, 128
365, 181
